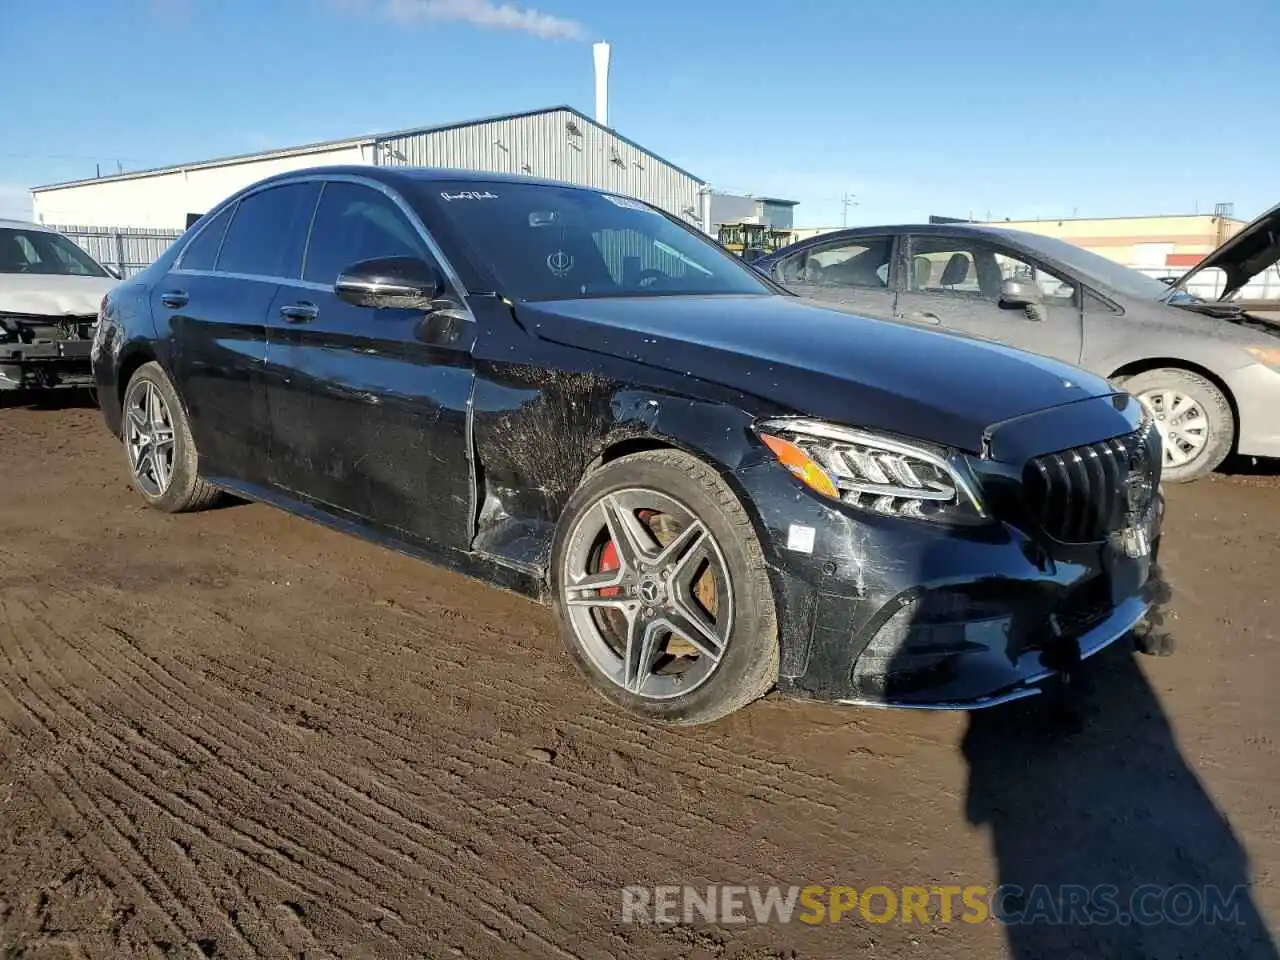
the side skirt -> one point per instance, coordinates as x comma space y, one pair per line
484, 568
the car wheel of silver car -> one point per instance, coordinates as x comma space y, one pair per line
157, 441
661, 590
1194, 419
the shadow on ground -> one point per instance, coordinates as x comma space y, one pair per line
1099, 803
77, 398
1242, 466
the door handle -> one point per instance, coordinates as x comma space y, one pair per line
174, 298
299, 312
922, 316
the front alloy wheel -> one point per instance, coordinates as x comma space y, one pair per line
661, 590
648, 593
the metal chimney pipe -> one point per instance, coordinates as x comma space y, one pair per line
600, 51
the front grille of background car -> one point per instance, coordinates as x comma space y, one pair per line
35, 328
1081, 495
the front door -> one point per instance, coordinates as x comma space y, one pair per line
849, 274
954, 283
368, 406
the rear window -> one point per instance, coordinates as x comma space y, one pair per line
269, 231
202, 252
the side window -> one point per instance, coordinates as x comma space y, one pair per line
354, 223
973, 269
850, 263
268, 232
203, 250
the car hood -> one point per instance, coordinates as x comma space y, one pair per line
1245, 255
822, 362
52, 296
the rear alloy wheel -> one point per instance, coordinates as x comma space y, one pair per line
1193, 418
661, 590
157, 442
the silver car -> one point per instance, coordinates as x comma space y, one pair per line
1207, 366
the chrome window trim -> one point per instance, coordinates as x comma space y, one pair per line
451, 275
255, 277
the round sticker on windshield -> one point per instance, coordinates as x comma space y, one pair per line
560, 263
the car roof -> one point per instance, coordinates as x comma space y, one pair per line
24, 225
983, 230
400, 177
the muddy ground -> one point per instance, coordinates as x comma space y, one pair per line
236, 734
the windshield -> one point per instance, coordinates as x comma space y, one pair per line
545, 242
41, 252
1104, 272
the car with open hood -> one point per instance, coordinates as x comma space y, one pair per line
50, 291
1207, 368
719, 487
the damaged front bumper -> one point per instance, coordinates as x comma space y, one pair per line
885, 611
38, 353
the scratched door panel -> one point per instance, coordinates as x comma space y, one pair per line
369, 417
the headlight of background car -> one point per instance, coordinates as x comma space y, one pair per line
887, 475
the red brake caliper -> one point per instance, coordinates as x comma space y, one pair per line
608, 563
609, 560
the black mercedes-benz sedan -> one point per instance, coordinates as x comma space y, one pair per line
721, 488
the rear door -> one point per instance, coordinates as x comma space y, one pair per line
369, 406
216, 302
954, 283
853, 274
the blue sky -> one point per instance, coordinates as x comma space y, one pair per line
1013, 108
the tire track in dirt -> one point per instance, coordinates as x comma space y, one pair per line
647, 806
614, 732
94, 724
111, 851
169, 856
552, 811
211, 750
316, 811
643, 803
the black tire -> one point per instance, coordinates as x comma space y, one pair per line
186, 490
1217, 410
748, 668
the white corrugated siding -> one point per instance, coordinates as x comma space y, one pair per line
544, 145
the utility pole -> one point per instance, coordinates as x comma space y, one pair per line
846, 202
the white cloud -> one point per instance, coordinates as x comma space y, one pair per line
481, 13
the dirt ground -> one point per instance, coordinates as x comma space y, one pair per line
239, 734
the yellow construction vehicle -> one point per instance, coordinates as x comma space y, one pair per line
744, 235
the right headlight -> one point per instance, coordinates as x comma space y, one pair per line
883, 474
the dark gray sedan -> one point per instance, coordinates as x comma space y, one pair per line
1209, 372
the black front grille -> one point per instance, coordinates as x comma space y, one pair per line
1084, 494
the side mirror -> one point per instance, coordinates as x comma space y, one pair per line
390, 283
1019, 293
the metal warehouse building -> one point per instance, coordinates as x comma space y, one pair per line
120, 217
